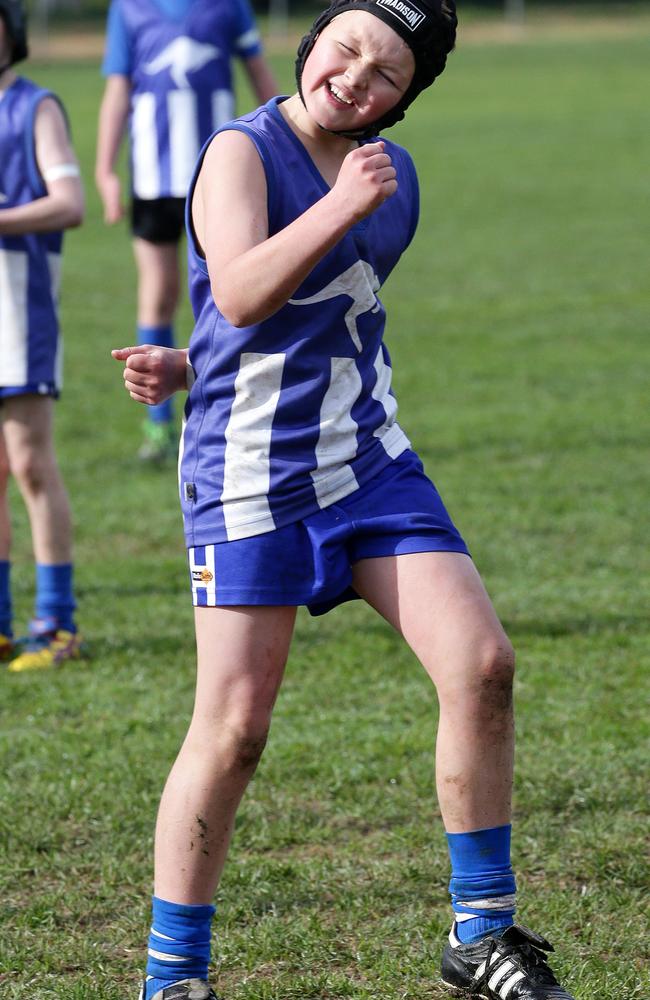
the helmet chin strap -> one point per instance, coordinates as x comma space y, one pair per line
363, 133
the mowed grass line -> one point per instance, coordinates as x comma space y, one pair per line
517, 327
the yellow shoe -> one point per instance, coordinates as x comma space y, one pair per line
47, 651
7, 648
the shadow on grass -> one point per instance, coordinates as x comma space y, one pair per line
576, 626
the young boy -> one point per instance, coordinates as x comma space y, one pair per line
299, 487
168, 69
40, 196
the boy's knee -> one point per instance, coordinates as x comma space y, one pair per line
241, 740
30, 470
496, 669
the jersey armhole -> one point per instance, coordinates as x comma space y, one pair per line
415, 204
269, 173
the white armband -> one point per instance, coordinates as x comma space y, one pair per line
190, 374
60, 171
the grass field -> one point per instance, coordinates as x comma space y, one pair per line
518, 328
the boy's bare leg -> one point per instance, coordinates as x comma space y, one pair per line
241, 653
439, 604
28, 435
158, 282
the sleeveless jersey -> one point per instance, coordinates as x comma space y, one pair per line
294, 413
30, 266
182, 88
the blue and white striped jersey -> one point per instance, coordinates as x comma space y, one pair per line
30, 266
294, 413
180, 72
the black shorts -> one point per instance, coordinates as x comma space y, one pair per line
158, 220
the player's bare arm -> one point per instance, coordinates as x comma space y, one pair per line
261, 79
63, 205
113, 117
253, 275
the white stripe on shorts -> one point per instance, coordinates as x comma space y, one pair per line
209, 585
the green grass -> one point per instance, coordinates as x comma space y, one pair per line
518, 329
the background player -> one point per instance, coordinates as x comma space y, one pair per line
168, 69
40, 196
298, 486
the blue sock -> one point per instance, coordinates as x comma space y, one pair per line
482, 882
179, 944
5, 599
54, 595
162, 336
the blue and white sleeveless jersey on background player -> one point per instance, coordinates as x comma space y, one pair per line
30, 266
291, 415
177, 55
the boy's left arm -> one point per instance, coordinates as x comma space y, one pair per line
261, 78
62, 207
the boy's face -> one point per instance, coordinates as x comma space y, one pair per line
358, 69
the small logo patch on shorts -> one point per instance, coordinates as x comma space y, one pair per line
203, 575
189, 491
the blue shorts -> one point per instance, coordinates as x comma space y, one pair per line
310, 562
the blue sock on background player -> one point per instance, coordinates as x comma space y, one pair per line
179, 944
54, 595
482, 882
5, 599
161, 336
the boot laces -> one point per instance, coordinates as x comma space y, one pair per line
534, 962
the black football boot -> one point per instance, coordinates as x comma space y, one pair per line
186, 989
506, 965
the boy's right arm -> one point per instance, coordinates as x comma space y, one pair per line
113, 115
253, 275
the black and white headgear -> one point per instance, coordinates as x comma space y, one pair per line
427, 26
14, 15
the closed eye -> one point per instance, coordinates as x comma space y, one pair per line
386, 77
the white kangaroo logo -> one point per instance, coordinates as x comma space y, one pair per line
359, 282
182, 56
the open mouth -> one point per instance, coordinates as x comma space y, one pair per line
339, 96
